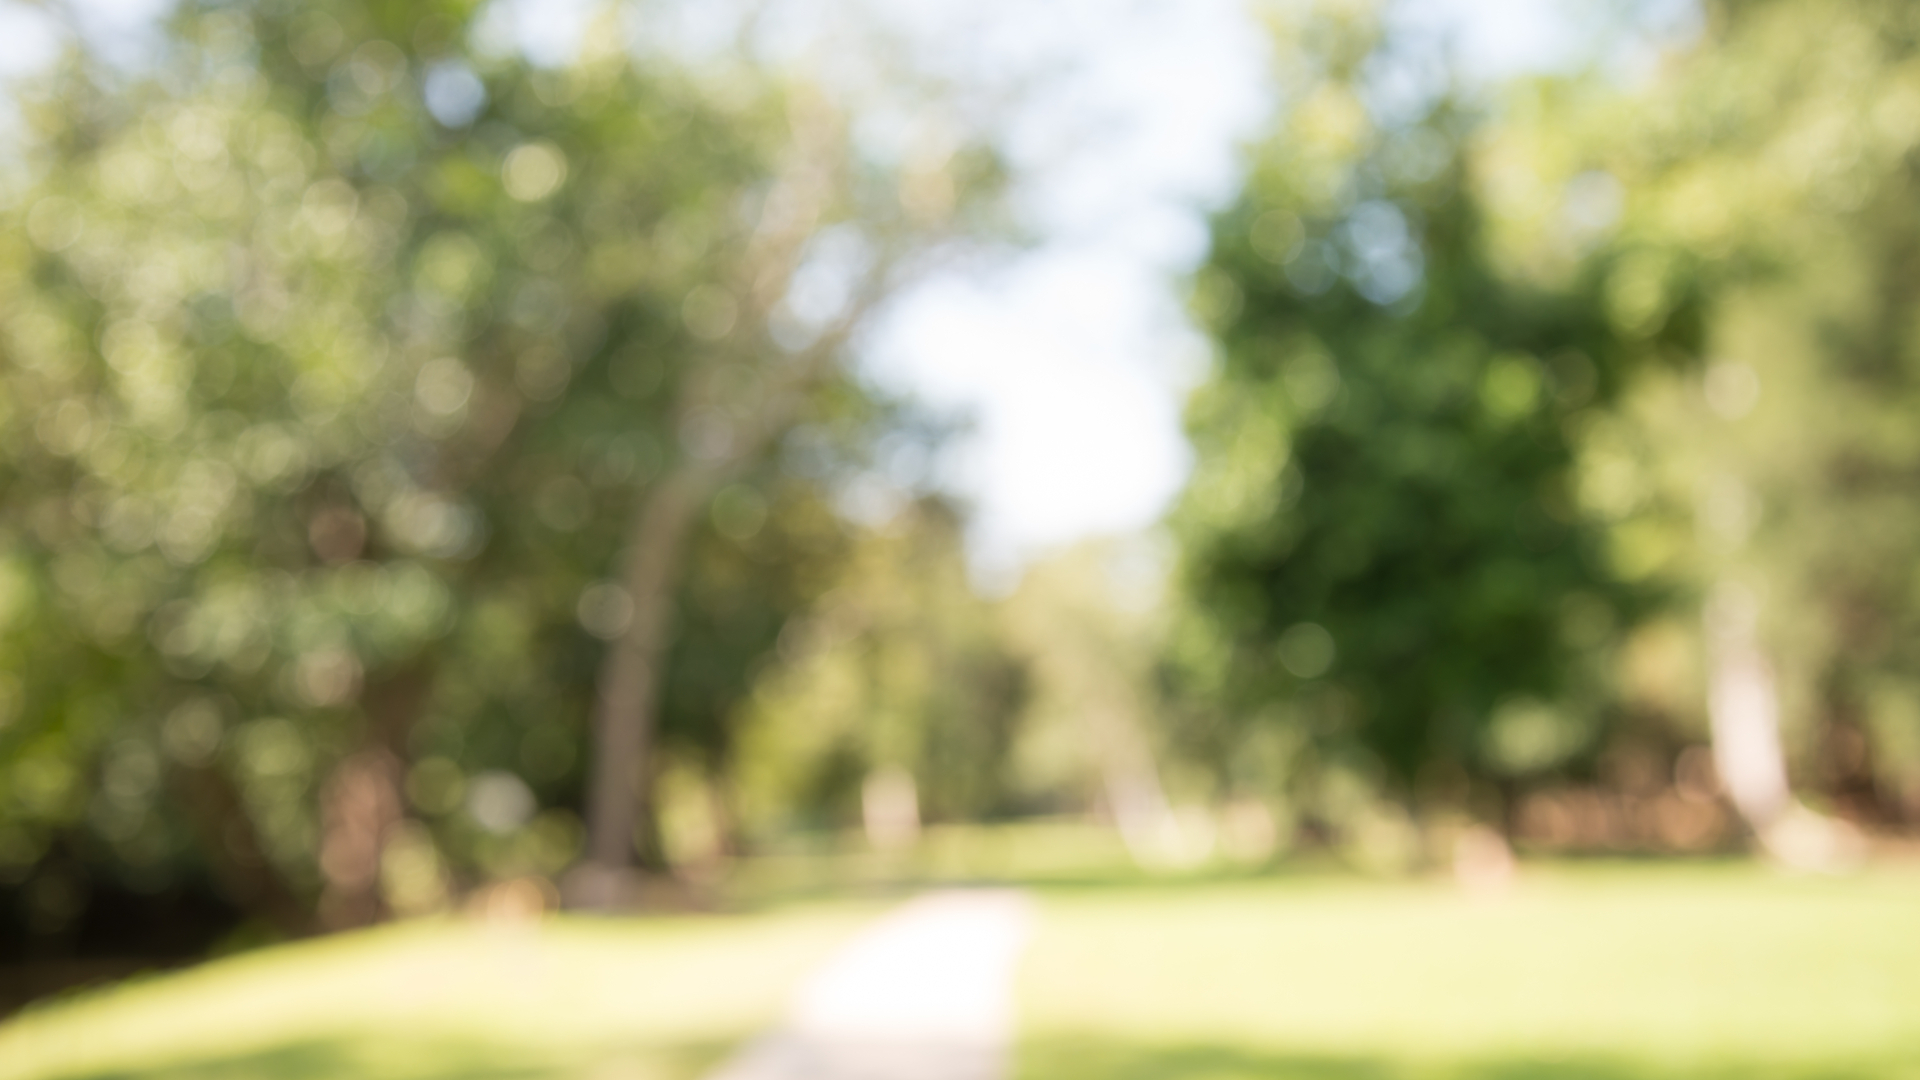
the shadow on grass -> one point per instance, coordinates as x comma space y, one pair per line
388, 1057
1091, 1059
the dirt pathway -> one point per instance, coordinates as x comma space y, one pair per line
924, 994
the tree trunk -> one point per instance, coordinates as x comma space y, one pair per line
1130, 778
1744, 711
364, 800
358, 810
629, 688
631, 675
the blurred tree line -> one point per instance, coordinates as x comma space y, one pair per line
1523, 398
409, 447
421, 466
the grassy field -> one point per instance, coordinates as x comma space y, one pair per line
655, 999
1604, 972
1595, 973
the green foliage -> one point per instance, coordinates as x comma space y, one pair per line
1489, 388
903, 667
1783, 149
337, 356
1383, 548
1090, 622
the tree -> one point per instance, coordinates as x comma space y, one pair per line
1382, 551
1088, 622
342, 358
1782, 157
897, 700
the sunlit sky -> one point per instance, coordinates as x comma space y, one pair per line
1071, 359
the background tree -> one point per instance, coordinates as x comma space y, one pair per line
1382, 549
339, 355
1781, 156
897, 700
1090, 623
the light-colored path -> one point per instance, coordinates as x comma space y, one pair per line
924, 994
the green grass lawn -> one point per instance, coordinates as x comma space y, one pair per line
1602, 972
1624, 972
654, 999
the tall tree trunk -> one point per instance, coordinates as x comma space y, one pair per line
358, 809
1743, 708
364, 800
1130, 777
1744, 711
632, 673
626, 707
